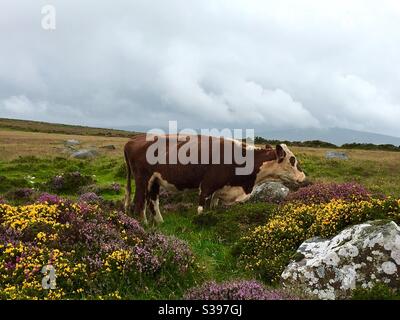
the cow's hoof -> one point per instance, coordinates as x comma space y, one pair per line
200, 210
158, 219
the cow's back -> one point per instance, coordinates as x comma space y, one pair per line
182, 176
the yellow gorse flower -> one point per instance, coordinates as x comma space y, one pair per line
270, 246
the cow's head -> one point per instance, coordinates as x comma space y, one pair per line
288, 167
284, 167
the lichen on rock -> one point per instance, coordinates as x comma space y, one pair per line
359, 256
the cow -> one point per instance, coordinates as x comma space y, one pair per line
216, 181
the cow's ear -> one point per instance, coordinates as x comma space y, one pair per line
268, 146
280, 153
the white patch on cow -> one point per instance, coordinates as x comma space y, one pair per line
284, 171
144, 214
158, 217
163, 183
200, 209
214, 201
229, 194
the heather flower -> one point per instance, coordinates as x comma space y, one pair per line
325, 192
89, 197
70, 181
92, 250
236, 290
22, 193
131, 225
170, 250
116, 187
49, 198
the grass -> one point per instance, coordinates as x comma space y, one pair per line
376, 170
214, 255
105, 170
210, 236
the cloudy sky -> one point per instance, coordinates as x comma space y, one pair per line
247, 64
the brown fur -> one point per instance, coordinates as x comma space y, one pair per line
207, 177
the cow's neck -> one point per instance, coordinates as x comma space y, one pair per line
266, 172
265, 161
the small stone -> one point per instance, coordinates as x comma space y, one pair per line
336, 155
84, 154
72, 142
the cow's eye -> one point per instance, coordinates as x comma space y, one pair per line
292, 161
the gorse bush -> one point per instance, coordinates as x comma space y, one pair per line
268, 248
325, 192
236, 290
95, 254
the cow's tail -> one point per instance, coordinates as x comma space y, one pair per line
128, 189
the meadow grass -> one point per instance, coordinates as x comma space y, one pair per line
212, 236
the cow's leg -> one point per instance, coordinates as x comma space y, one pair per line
205, 193
140, 198
214, 201
127, 204
154, 203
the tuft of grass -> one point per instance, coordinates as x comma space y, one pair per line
214, 256
230, 223
379, 291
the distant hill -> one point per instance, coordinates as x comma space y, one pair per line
337, 136
37, 126
317, 138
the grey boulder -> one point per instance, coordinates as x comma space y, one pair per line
270, 191
359, 256
84, 154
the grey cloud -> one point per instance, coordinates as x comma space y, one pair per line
258, 64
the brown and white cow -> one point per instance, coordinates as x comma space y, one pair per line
215, 181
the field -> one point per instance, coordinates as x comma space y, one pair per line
31, 159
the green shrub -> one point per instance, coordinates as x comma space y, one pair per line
379, 291
7, 184
120, 171
232, 222
68, 182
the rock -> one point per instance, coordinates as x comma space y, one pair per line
336, 155
109, 147
84, 154
72, 142
359, 256
270, 191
